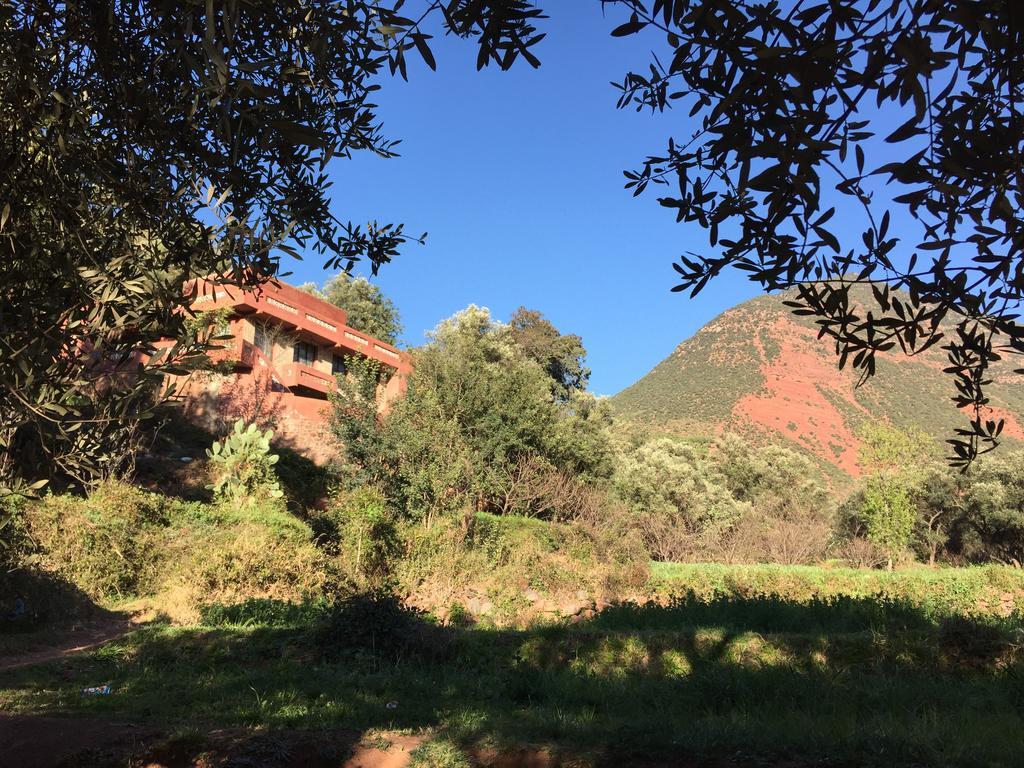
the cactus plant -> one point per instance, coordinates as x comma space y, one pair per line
243, 465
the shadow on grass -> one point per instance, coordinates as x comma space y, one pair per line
31, 599
849, 681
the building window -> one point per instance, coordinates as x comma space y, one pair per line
262, 341
338, 365
305, 353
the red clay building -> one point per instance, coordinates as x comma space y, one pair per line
287, 349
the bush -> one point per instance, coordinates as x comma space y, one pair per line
379, 626
108, 544
262, 612
305, 483
121, 542
14, 541
508, 557
244, 561
439, 566
243, 466
967, 641
361, 528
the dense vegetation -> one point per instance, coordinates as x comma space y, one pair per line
148, 145
477, 563
499, 473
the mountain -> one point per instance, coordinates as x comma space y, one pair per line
759, 370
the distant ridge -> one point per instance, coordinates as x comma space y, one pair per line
758, 369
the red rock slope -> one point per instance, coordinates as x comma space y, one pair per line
757, 369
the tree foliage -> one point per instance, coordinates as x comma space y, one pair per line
479, 413
678, 497
888, 515
987, 511
796, 99
368, 309
736, 501
561, 355
886, 448
147, 144
910, 502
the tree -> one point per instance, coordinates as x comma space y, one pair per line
888, 515
562, 356
478, 412
148, 144
368, 309
991, 525
795, 99
888, 449
895, 505
677, 497
939, 498
791, 516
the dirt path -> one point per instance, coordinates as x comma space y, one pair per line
32, 741
69, 643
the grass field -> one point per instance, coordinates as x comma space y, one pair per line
883, 669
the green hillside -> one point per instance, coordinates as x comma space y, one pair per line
757, 368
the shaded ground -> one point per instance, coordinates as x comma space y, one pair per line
728, 681
62, 643
31, 741
58, 742
46, 742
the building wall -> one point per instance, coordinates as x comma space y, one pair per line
270, 389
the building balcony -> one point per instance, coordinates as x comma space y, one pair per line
306, 315
305, 379
238, 351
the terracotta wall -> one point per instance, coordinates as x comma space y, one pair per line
256, 390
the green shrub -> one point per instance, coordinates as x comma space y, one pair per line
268, 513
14, 541
504, 538
108, 544
304, 482
379, 626
247, 560
439, 566
263, 612
121, 542
243, 466
361, 527
595, 556
968, 641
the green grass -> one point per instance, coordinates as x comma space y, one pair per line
938, 592
853, 678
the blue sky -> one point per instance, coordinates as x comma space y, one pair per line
517, 177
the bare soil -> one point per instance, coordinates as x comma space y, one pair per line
31, 741
68, 642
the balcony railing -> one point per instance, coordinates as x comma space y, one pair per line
297, 311
298, 375
238, 351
